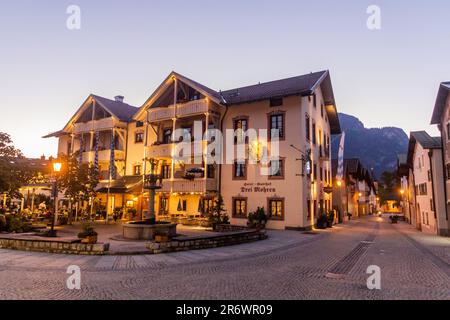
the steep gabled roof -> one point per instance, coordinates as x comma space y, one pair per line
119, 110
441, 99
303, 85
123, 111
425, 140
207, 92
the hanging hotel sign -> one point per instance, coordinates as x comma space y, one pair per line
260, 187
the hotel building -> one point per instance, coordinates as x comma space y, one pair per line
298, 113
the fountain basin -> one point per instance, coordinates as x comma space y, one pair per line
142, 230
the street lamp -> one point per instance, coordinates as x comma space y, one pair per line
57, 166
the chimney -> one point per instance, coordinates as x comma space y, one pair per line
43, 157
119, 98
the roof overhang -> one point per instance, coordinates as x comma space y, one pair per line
441, 101
330, 103
139, 116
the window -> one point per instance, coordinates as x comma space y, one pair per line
163, 205
240, 128
431, 205
167, 136
276, 122
314, 134
276, 208
139, 137
276, 102
308, 127
448, 171
240, 207
314, 100
208, 205
166, 169
429, 175
448, 131
315, 172
422, 189
276, 169
321, 173
139, 124
137, 170
321, 110
239, 170
187, 135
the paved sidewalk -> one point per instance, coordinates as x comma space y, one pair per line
289, 265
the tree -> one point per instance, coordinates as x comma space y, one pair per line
218, 213
14, 171
388, 187
77, 180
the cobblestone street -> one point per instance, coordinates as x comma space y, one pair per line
331, 264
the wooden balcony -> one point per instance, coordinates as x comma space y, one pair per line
160, 151
102, 124
189, 186
188, 109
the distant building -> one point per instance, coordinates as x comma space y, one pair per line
356, 193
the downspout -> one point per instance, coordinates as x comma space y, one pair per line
430, 154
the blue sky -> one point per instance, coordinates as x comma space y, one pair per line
388, 77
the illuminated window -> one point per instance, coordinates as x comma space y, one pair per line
240, 207
276, 208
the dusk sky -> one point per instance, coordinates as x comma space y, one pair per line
387, 77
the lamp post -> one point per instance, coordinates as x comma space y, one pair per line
402, 193
56, 170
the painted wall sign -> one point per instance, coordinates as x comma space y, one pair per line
263, 187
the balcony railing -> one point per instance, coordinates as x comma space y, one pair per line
102, 124
103, 156
160, 151
191, 108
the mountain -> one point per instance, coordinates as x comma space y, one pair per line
377, 148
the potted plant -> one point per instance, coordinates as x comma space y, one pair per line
330, 220
322, 221
257, 219
88, 235
161, 236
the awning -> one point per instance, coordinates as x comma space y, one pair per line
127, 184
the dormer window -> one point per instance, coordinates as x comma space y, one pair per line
276, 102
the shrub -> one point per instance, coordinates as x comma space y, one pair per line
16, 224
88, 231
3, 225
257, 219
